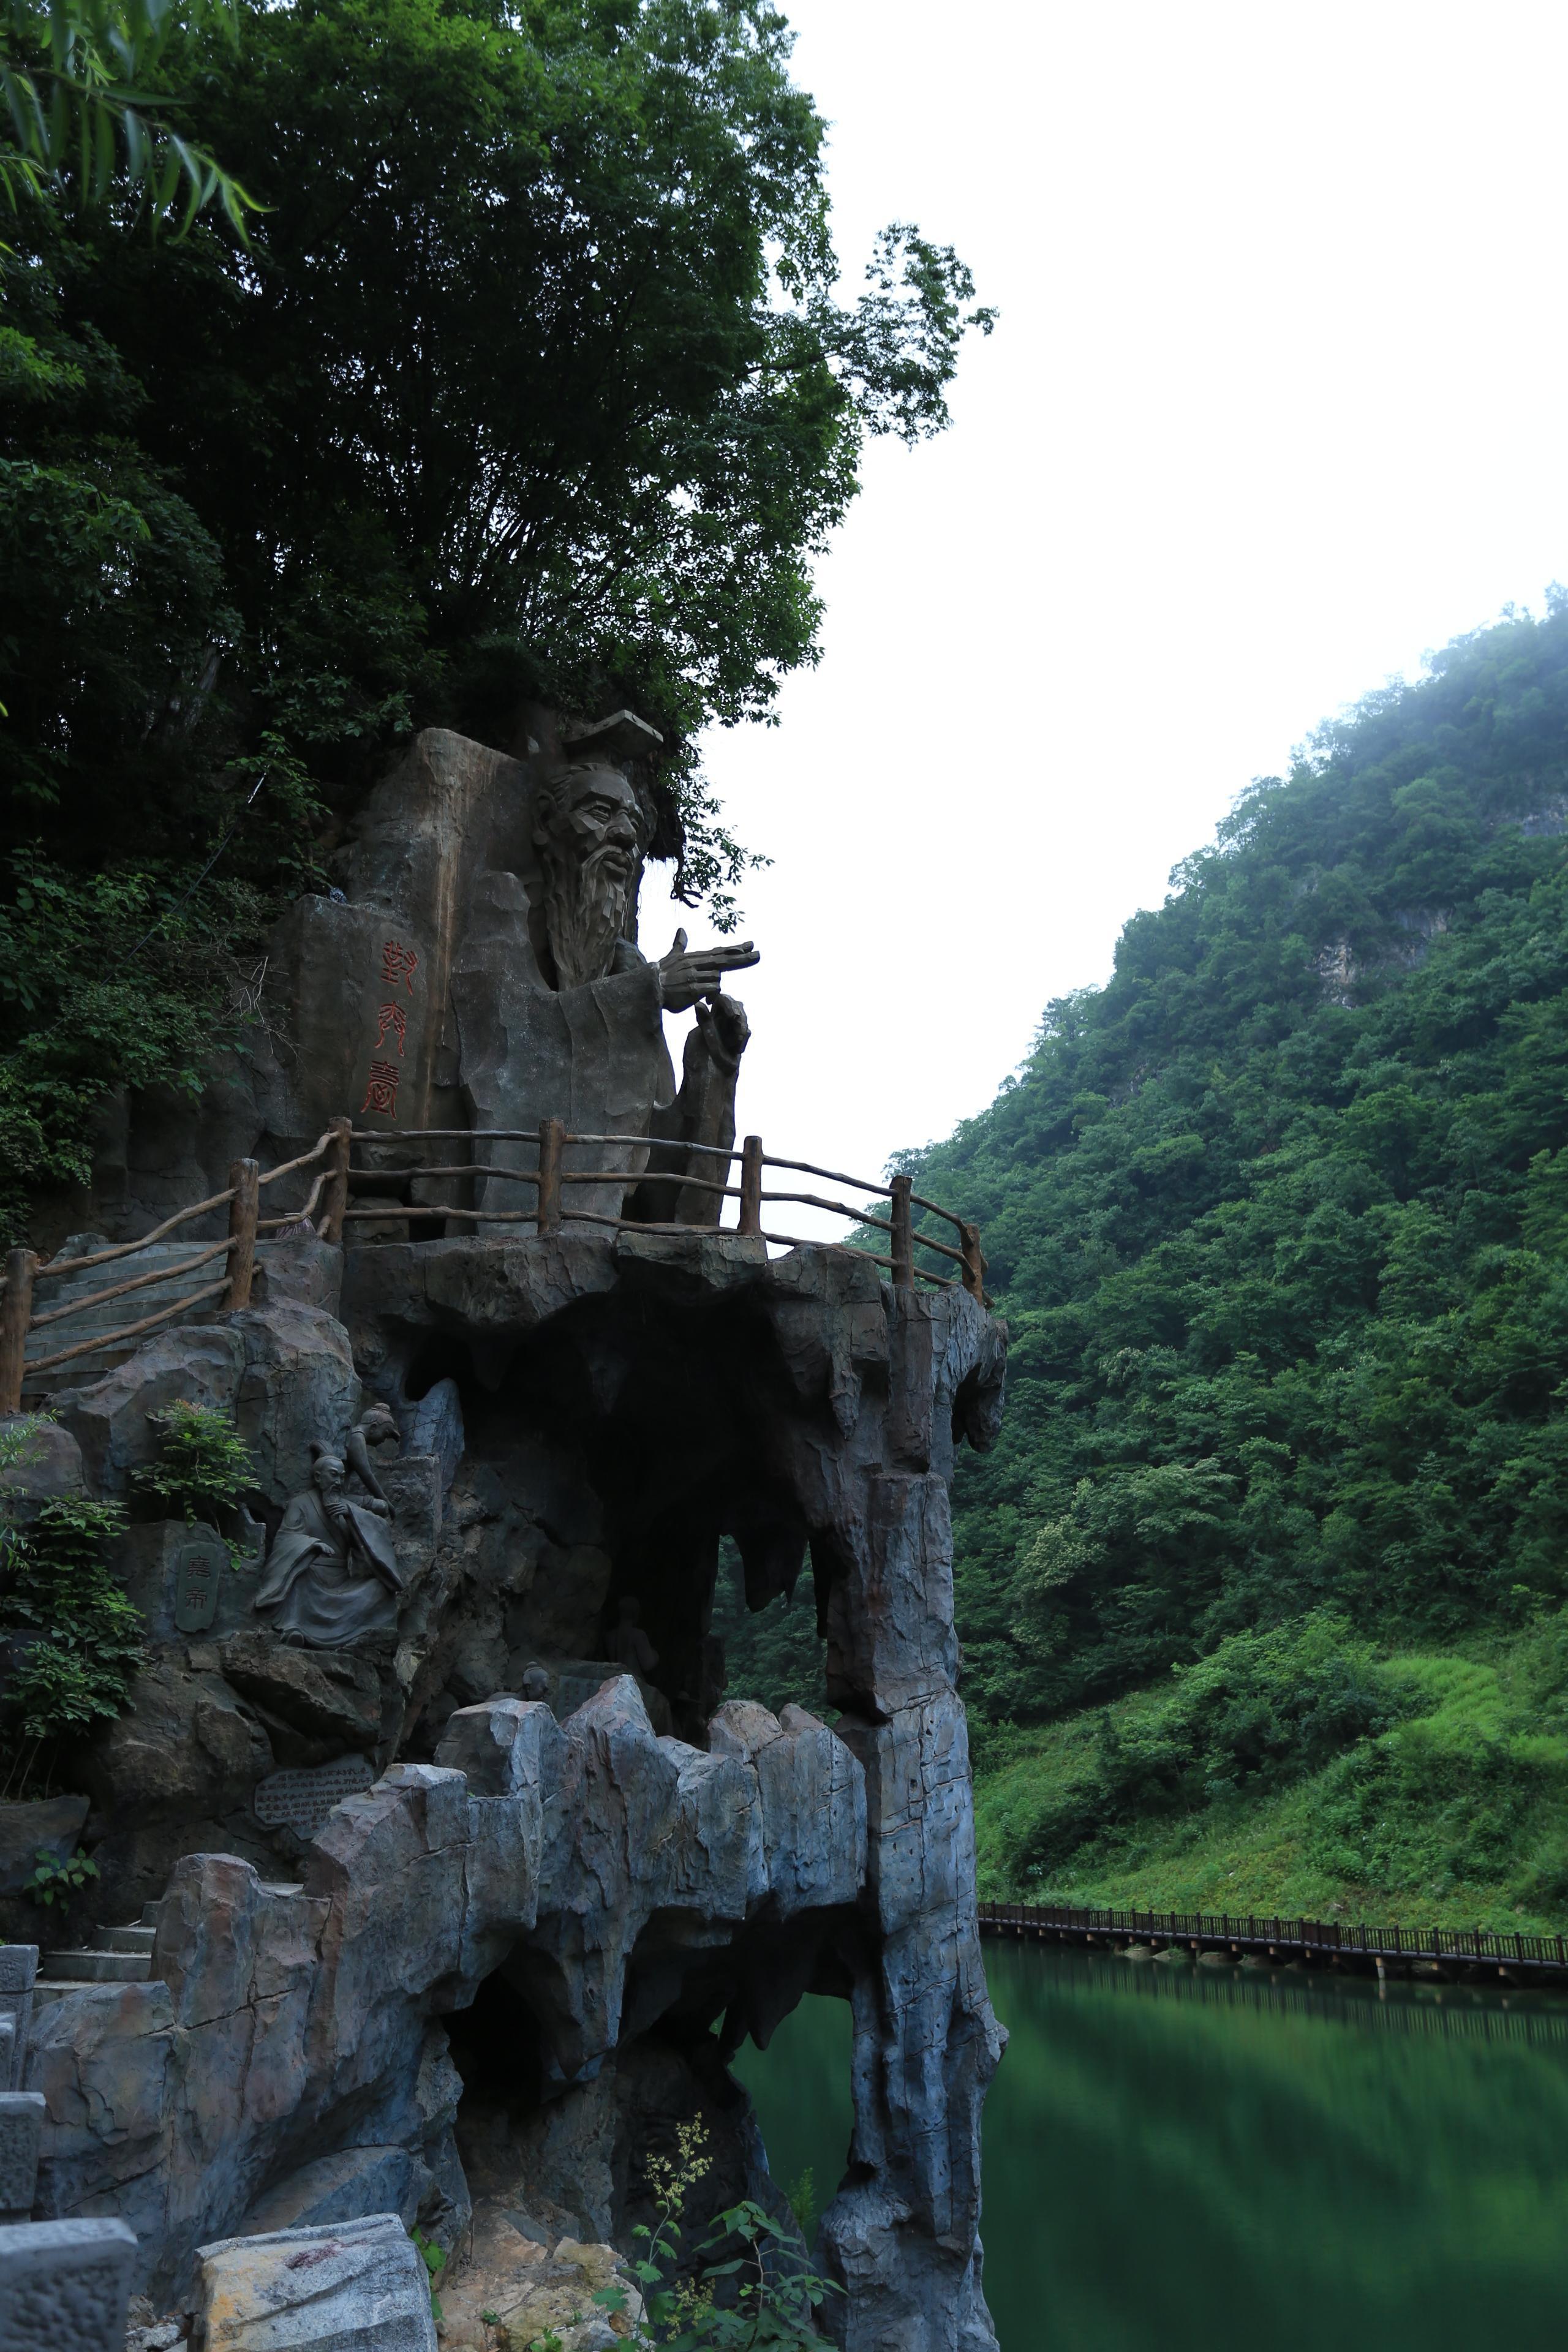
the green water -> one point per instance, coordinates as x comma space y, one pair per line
1182, 2159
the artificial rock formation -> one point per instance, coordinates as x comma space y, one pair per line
615, 1905
464, 1876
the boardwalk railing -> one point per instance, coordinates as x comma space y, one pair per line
327, 1213
1307, 1939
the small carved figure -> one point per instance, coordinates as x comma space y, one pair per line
333, 1576
536, 1681
378, 1429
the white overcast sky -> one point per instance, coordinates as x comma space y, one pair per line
1276, 403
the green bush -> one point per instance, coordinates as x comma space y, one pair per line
1263, 1709
204, 1468
74, 1633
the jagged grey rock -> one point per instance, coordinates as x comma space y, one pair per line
350, 2286
42, 1825
596, 1890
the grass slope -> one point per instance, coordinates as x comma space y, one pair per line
1454, 1812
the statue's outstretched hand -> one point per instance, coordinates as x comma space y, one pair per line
726, 1032
685, 979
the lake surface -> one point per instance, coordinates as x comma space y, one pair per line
1177, 2159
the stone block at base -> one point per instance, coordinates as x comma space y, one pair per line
21, 2134
64, 2284
356, 2286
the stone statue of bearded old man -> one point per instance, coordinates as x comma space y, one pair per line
562, 1016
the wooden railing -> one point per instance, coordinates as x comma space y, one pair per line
336, 1179
1320, 1938
20, 1311
551, 1175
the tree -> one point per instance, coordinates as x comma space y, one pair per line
531, 380
79, 78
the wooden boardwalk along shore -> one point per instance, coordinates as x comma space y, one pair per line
1470, 1953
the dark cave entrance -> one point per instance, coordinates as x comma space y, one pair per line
607, 1454
573, 2158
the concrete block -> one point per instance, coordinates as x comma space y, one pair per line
64, 2284
18, 1966
352, 2286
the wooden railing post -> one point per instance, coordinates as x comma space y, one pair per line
552, 1135
903, 1235
750, 1217
243, 1176
335, 1195
16, 1314
974, 1262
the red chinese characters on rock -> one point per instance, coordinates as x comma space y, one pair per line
397, 963
380, 1091
392, 1017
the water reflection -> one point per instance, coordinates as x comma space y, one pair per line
1172, 2152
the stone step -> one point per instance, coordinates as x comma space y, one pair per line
125, 1939
99, 1967
58, 1289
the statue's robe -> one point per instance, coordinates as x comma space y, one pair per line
319, 1587
593, 1057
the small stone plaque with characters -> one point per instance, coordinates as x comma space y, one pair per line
201, 1560
302, 1800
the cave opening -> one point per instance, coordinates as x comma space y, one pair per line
608, 1455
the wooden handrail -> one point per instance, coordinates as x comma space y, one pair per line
137, 1281
115, 1339
126, 1249
336, 1176
322, 1143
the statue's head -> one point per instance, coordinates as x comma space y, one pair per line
327, 1473
535, 1682
590, 832
379, 1425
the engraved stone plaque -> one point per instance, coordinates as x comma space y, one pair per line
21, 2136
300, 1801
200, 1560
65, 2282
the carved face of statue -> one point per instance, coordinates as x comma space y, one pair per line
588, 833
326, 1473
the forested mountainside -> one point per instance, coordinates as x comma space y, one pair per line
1277, 1218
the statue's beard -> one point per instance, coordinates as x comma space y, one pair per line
585, 912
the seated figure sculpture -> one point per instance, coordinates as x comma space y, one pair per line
332, 1576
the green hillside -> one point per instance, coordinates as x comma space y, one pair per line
1277, 1220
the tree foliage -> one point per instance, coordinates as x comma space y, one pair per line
1277, 1218
533, 379
84, 111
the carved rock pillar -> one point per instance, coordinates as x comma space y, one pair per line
901, 2234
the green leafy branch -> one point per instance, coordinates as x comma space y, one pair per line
79, 81
767, 2294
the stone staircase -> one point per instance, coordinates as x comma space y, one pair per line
115, 1956
57, 1286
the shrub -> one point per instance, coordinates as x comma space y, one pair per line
73, 1629
204, 1468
